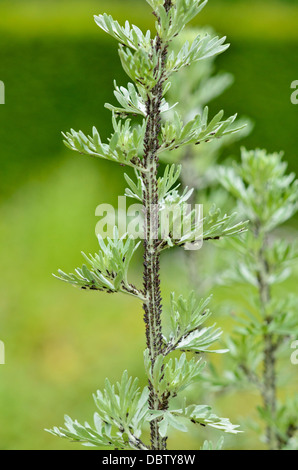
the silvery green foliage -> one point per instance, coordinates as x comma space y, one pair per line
108, 269
169, 377
266, 194
191, 227
123, 410
217, 225
124, 145
197, 414
202, 47
130, 36
194, 88
268, 321
210, 446
186, 318
170, 24
177, 135
131, 101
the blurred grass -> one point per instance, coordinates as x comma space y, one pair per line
256, 18
58, 69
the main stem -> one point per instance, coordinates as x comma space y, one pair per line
269, 373
152, 306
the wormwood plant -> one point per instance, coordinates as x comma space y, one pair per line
192, 90
267, 315
123, 410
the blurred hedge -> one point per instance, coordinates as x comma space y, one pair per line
54, 83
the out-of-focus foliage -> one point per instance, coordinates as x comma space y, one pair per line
268, 325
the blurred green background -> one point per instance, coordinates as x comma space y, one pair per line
58, 69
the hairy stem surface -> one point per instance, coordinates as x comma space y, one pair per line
152, 306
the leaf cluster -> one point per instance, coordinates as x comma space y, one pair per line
124, 146
122, 409
186, 318
108, 268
